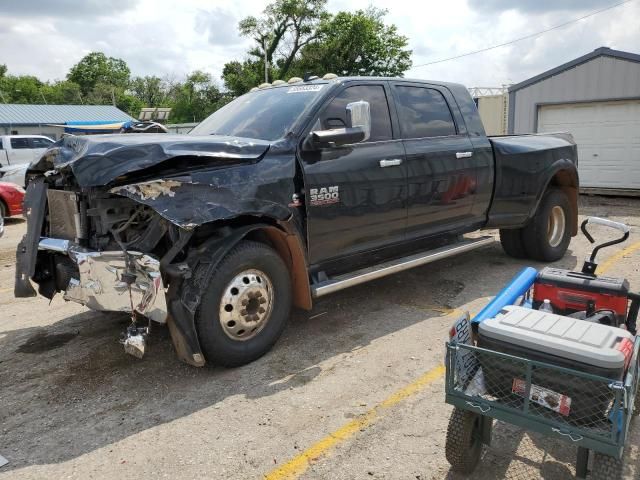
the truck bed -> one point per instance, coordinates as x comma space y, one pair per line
521, 161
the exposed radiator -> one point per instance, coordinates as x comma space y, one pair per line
64, 215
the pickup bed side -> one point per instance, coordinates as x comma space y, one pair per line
525, 167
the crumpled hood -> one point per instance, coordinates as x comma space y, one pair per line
98, 160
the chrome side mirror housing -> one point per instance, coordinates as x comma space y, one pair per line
358, 129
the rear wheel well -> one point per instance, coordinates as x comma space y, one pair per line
4, 208
567, 181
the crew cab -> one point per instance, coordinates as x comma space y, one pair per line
289, 192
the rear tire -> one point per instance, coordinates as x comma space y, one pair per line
606, 467
546, 237
245, 306
4, 211
464, 441
512, 243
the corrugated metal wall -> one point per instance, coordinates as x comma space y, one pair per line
603, 78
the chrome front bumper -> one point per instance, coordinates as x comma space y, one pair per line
100, 286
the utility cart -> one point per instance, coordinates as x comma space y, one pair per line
547, 366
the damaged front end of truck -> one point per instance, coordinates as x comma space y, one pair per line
132, 223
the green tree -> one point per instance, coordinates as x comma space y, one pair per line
63, 93
240, 77
21, 89
357, 43
196, 98
284, 28
95, 68
300, 36
151, 90
107, 94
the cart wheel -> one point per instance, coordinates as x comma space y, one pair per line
464, 440
606, 467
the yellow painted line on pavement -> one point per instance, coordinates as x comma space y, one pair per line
3, 290
609, 262
299, 464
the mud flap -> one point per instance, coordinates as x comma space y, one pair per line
187, 282
181, 323
27, 251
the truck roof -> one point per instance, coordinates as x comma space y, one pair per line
338, 80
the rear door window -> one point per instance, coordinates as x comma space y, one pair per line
423, 112
41, 142
335, 113
18, 143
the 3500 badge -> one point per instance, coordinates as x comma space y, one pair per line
324, 196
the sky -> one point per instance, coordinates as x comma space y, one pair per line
171, 38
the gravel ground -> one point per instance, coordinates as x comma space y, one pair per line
75, 406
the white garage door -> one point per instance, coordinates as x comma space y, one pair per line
608, 138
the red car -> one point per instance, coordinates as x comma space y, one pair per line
11, 197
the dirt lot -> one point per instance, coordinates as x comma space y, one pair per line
346, 381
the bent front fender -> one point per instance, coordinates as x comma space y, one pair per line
189, 280
188, 204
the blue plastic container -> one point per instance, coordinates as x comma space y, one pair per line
508, 295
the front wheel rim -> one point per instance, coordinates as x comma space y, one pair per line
556, 227
246, 305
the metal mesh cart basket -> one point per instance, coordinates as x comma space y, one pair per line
592, 411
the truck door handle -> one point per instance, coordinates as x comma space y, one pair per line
394, 162
464, 154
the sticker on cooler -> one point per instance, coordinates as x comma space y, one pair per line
543, 396
626, 347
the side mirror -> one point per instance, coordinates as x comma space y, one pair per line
359, 116
358, 128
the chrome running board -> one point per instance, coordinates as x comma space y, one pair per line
398, 265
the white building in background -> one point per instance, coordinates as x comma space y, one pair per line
597, 99
54, 120
493, 107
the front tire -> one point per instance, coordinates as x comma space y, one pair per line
463, 446
606, 467
245, 306
546, 237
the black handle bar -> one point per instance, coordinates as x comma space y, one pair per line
607, 223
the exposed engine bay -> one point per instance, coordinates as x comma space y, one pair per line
137, 223
102, 251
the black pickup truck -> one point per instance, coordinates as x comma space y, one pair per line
290, 192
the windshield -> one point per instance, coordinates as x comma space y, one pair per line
265, 114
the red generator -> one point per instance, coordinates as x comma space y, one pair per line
583, 294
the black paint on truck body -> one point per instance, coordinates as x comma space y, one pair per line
427, 173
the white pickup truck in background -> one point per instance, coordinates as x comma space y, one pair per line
17, 152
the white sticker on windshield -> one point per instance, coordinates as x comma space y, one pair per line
305, 88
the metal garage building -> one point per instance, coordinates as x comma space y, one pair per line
50, 120
597, 98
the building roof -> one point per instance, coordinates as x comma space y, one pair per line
598, 52
20, 114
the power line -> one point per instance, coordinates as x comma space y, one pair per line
533, 35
